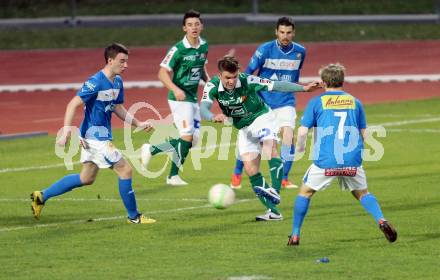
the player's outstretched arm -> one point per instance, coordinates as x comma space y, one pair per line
290, 87
125, 116
205, 112
74, 103
165, 77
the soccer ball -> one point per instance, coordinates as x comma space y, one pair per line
221, 196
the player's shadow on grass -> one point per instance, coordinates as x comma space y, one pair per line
49, 222
395, 177
376, 242
394, 165
411, 206
156, 187
422, 237
29, 220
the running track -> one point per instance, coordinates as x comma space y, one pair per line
43, 111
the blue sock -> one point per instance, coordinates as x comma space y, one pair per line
238, 167
65, 184
370, 204
287, 156
128, 197
299, 212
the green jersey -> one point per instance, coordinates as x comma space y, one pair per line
243, 103
187, 64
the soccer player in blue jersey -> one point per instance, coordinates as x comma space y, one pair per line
339, 125
278, 60
101, 96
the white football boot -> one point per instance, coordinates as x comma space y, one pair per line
176, 181
269, 216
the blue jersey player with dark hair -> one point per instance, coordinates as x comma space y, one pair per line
101, 96
278, 60
339, 125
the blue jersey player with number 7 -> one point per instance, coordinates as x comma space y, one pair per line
339, 125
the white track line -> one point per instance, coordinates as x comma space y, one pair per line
74, 86
415, 130
101, 219
399, 123
158, 84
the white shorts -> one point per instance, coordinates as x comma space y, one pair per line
286, 116
101, 153
351, 178
186, 116
262, 128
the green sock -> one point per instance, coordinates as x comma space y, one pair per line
181, 151
269, 205
276, 173
167, 146
258, 180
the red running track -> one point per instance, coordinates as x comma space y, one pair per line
44, 111
26, 112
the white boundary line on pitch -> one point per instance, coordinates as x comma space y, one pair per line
249, 277
414, 130
29, 168
387, 124
107, 199
158, 84
111, 218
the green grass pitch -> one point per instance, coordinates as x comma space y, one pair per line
84, 235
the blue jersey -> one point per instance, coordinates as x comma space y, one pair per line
100, 95
278, 64
337, 118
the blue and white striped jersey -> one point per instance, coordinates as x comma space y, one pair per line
278, 64
100, 96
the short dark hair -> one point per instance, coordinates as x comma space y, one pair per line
191, 14
112, 51
228, 63
333, 75
286, 21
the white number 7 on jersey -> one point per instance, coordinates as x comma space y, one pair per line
343, 116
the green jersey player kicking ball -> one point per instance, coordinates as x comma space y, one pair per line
237, 96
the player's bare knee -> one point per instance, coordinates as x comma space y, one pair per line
274, 153
269, 150
358, 194
87, 179
187, 138
126, 172
251, 170
287, 136
306, 191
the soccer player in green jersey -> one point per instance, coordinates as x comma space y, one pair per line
237, 95
180, 72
